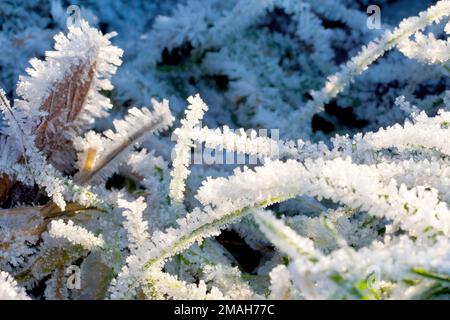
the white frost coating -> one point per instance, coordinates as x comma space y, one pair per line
91, 143
81, 46
137, 126
239, 141
392, 263
423, 132
9, 290
164, 285
135, 225
280, 283
426, 48
240, 17
366, 214
75, 234
181, 153
286, 239
36, 169
417, 210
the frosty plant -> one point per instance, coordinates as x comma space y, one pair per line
361, 217
239, 143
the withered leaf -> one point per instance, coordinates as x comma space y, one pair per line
63, 105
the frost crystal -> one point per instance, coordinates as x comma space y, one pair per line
9, 289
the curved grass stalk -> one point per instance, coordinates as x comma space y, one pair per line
185, 240
136, 126
193, 116
285, 238
199, 233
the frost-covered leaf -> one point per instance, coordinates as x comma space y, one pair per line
61, 95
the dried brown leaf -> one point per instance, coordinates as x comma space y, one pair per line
63, 105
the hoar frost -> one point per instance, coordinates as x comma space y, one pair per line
93, 177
